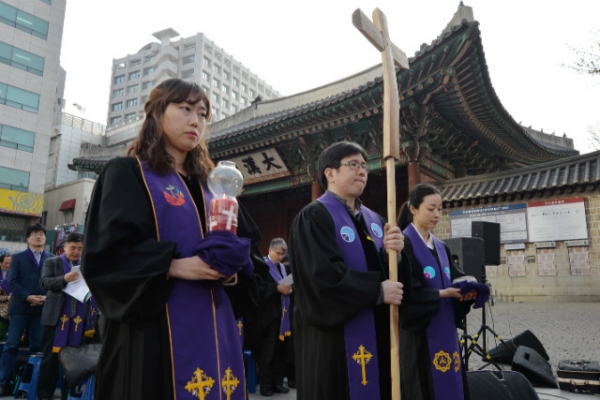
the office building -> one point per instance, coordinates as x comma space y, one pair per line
31, 90
231, 86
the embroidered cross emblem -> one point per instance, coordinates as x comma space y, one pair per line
200, 384
229, 383
63, 319
362, 357
283, 313
77, 321
240, 325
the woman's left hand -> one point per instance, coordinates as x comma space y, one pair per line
393, 239
469, 296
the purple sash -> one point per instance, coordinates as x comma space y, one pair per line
278, 273
4, 286
205, 348
359, 331
72, 323
444, 353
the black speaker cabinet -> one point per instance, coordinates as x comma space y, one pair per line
499, 385
490, 233
504, 352
467, 252
535, 368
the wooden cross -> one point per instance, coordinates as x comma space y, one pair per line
229, 383
377, 33
362, 356
200, 384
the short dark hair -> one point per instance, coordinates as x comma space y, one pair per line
332, 156
74, 237
3, 256
34, 228
415, 198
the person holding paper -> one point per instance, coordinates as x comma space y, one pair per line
430, 356
271, 327
169, 288
65, 320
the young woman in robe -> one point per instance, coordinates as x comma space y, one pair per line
165, 283
430, 356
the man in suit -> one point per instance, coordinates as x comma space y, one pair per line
63, 317
27, 299
272, 323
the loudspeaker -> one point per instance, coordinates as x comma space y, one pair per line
504, 352
535, 368
490, 233
499, 385
467, 252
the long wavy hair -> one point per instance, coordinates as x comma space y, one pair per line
415, 198
150, 145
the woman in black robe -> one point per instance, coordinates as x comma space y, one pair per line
423, 211
130, 273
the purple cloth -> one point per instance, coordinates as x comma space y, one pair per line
483, 291
226, 253
4, 286
278, 272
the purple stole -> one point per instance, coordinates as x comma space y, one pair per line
359, 331
444, 353
278, 273
72, 324
4, 286
205, 348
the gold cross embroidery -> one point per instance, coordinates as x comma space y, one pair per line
229, 383
240, 325
77, 321
362, 357
64, 319
200, 384
283, 313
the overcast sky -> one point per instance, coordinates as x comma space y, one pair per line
297, 46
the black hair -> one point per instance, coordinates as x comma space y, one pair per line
3, 256
333, 155
34, 228
415, 198
74, 237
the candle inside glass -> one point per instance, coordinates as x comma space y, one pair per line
224, 214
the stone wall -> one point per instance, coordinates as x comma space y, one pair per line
562, 271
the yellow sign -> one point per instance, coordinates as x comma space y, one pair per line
21, 203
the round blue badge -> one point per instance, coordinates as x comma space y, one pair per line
429, 272
447, 271
347, 234
376, 229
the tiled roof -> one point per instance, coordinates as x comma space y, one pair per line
574, 172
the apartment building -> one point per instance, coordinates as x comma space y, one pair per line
230, 85
31, 93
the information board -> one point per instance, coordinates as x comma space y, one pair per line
557, 220
512, 219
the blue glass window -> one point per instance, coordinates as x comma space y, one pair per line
21, 59
14, 179
16, 138
23, 21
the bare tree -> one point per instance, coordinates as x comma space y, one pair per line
594, 136
588, 58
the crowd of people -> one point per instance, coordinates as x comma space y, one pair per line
171, 291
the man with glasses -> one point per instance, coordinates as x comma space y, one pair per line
27, 299
271, 328
338, 252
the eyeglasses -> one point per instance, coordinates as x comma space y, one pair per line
355, 165
35, 234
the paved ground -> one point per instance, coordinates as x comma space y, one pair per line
567, 330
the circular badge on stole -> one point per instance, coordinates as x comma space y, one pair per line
429, 272
347, 234
376, 229
447, 271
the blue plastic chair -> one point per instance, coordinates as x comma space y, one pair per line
85, 390
29, 378
250, 365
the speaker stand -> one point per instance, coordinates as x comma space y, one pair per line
470, 344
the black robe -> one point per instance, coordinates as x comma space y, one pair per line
125, 268
415, 314
326, 295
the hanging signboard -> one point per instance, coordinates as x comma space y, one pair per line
511, 217
557, 220
261, 166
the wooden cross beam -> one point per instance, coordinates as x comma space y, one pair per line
377, 33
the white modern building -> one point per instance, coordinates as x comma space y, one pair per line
31, 91
231, 86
